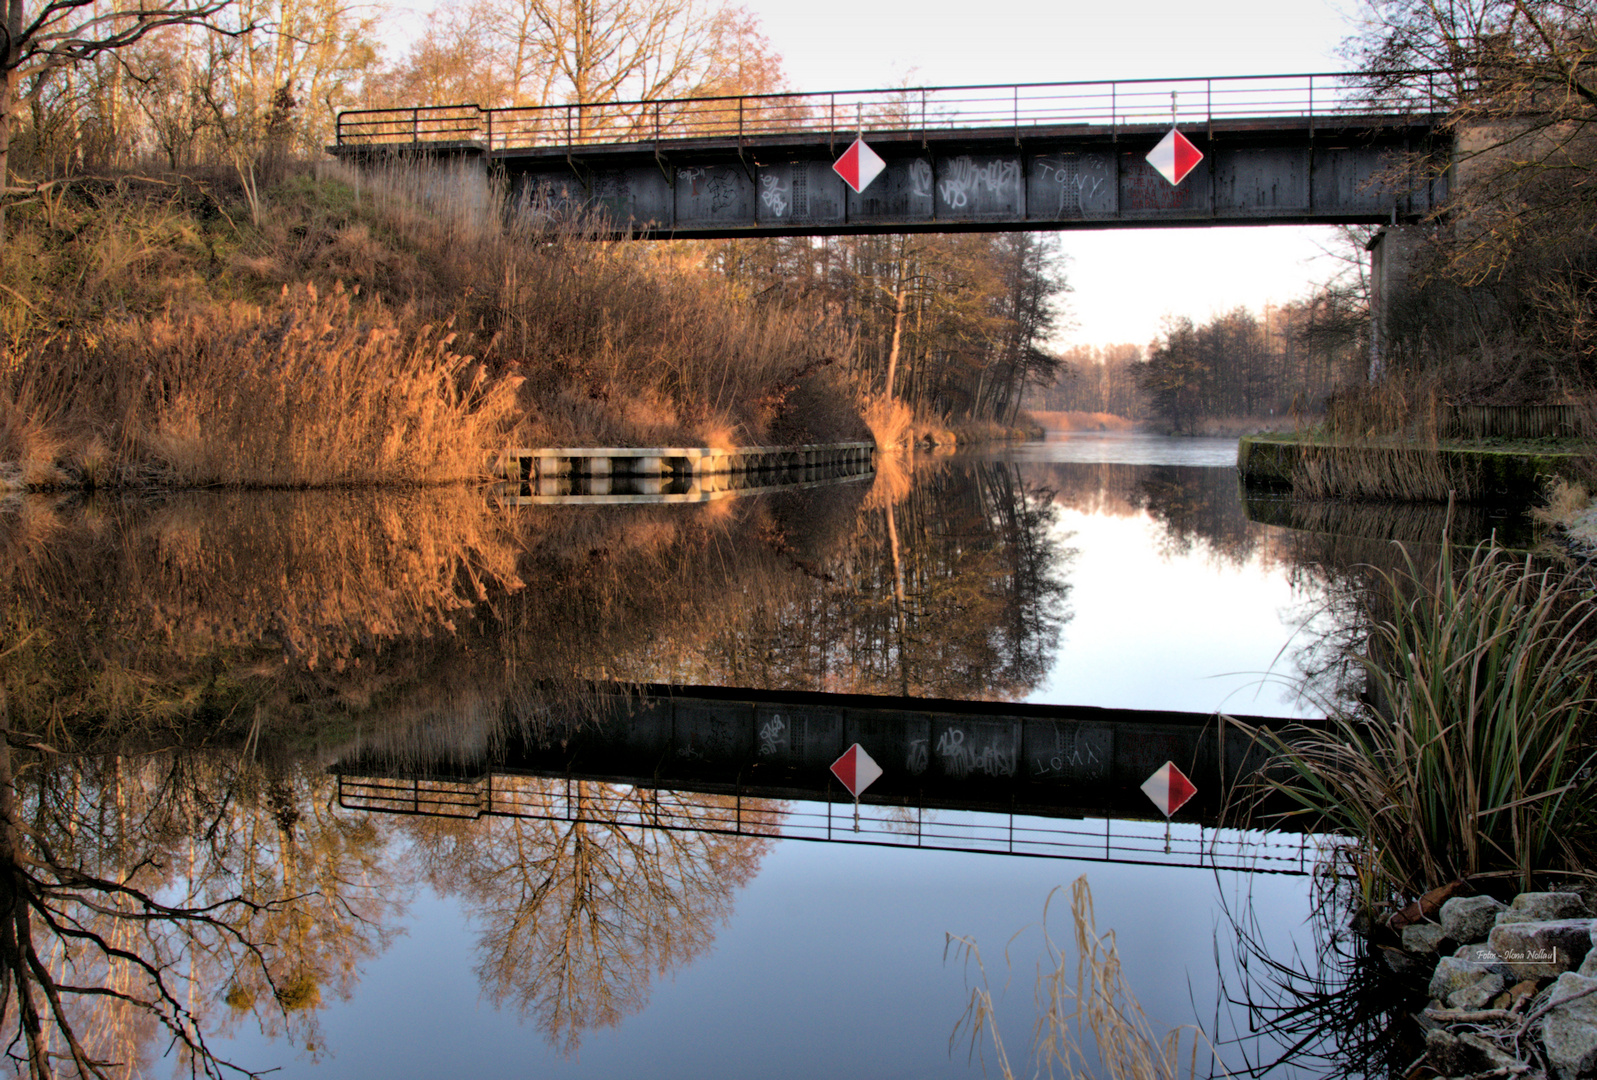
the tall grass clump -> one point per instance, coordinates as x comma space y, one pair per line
306, 390
1470, 752
890, 420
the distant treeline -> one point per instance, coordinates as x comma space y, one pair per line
1234, 365
955, 325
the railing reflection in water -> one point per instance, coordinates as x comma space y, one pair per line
742, 812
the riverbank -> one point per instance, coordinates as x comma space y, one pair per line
1496, 471
349, 329
1511, 985
937, 436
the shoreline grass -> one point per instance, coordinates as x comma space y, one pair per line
1470, 752
393, 327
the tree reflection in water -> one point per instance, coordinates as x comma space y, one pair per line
159, 900
157, 897
151, 900
576, 918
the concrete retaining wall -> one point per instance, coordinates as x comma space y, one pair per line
676, 470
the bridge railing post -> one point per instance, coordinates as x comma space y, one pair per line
923, 118
415, 125
1114, 112
1311, 106
831, 122
1208, 104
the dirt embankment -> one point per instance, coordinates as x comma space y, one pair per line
373, 328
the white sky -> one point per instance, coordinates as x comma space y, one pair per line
1124, 280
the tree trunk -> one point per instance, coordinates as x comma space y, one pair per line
898, 335
16, 916
898, 317
8, 101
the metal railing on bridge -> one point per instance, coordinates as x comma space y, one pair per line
1117, 106
736, 813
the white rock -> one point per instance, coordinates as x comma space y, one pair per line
1542, 949
1543, 907
1452, 975
1425, 937
1470, 918
1570, 1031
1476, 996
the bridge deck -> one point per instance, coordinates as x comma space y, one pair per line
1307, 149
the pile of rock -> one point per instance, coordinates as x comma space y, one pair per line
1515, 989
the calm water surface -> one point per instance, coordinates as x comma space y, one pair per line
1118, 570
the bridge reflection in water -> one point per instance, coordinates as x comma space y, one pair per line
975, 777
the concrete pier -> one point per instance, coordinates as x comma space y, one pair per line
671, 473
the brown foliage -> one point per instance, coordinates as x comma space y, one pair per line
187, 341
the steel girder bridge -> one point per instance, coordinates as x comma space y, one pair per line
1001, 778
1278, 149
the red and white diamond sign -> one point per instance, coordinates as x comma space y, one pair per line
1174, 157
856, 770
1168, 788
859, 165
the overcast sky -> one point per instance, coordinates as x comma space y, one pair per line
1124, 280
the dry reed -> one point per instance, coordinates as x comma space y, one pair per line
890, 420
308, 391
150, 337
1099, 1000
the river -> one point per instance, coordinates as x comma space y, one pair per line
218, 658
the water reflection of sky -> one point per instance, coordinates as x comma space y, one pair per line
832, 962
831, 965
1185, 631
1126, 448
1162, 626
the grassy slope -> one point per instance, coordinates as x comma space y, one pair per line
362, 329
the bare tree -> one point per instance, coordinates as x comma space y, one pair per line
1517, 80
57, 34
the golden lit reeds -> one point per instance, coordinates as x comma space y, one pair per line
392, 325
307, 391
890, 420
622, 343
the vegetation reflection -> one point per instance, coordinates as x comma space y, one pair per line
136, 887
177, 672
575, 918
